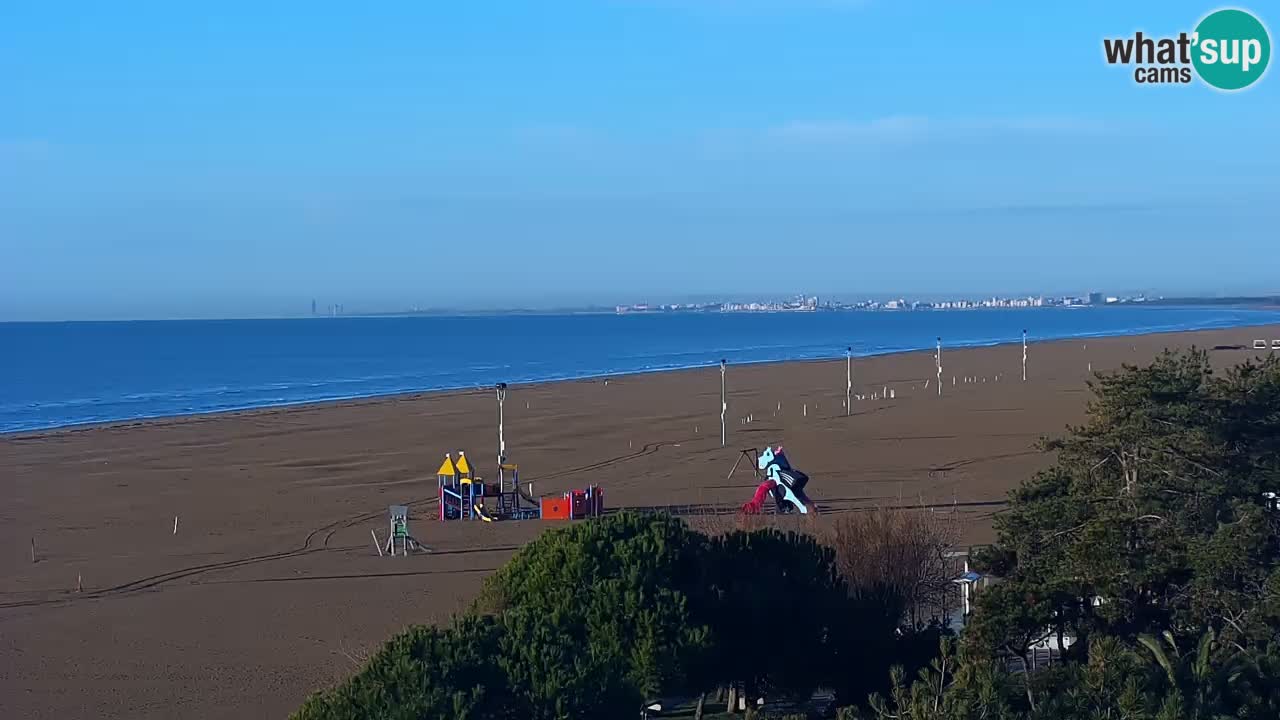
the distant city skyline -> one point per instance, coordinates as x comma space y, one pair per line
242, 158
815, 303
801, 301
733, 302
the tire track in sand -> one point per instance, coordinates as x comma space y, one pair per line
329, 530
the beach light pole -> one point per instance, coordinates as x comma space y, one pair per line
501, 389
724, 403
938, 359
1024, 355
848, 380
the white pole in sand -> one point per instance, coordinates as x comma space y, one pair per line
1024, 355
376, 544
848, 380
724, 404
938, 359
175, 524
501, 389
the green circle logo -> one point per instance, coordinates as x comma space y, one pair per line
1232, 49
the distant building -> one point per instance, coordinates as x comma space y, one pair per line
1095, 298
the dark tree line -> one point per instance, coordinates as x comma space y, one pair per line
590, 620
1150, 546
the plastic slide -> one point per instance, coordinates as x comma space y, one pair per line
757, 501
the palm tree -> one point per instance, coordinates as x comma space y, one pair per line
1193, 676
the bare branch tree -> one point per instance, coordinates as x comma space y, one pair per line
900, 552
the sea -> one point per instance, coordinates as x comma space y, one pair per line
73, 373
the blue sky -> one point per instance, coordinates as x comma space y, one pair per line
162, 159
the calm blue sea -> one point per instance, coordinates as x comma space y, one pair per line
57, 374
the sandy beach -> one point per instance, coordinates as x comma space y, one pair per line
270, 588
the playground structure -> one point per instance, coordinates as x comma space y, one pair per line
399, 534
465, 496
781, 481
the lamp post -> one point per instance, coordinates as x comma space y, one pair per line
501, 389
1024, 355
724, 403
848, 381
938, 359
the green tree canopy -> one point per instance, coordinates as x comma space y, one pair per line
1152, 517
592, 618
783, 620
426, 672
599, 614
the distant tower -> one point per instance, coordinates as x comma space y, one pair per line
313, 306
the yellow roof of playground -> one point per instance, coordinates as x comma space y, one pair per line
446, 467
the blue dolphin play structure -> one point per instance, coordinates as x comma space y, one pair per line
787, 482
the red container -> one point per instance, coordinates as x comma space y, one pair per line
555, 509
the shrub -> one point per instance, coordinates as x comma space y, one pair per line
776, 607
601, 612
590, 619
898, 557
425, 672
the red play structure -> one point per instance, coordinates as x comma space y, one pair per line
757, 501
783, 482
